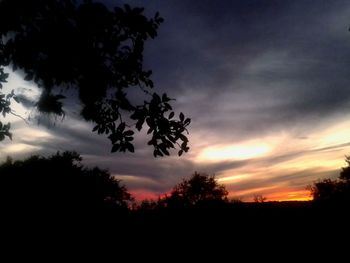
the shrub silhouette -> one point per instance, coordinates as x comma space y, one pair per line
258, 198
97, 51
345, 172
199, 189
59, 183
337, 190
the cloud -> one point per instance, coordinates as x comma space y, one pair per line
271, 67
279, 183
333, 147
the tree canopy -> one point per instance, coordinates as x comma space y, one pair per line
198, 189
59, 182
97, 51
333, 190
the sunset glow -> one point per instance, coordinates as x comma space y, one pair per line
269, 114
234, 178
290, 195
19, 148
234, 152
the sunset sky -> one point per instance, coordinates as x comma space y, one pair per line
266, 84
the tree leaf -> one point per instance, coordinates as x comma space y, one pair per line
139, 124
150, 130
128, 133
121, 127
115, 148
28, 77
165, 98
130, 147
16, 99
182, 117
167, 106
156, 98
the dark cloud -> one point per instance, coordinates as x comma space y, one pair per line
332, 148
212, 54
227, 55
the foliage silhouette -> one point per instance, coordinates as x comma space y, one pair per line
345, 172
59, 183
5, 102
148, 205
98, 51
199, 189
337, 190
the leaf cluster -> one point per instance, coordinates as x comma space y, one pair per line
97, 51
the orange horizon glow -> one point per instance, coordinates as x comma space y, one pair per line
301, 195
246, 196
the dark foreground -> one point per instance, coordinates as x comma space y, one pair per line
228, 230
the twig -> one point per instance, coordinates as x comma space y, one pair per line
19, 116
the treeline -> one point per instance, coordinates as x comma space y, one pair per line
56, 199
61, 183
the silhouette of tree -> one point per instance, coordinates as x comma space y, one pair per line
259, 198
59, 182
345, 173
333, 190
98, 51
199, 189
325, 189
147, 205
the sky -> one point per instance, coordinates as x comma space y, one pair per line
266, 84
